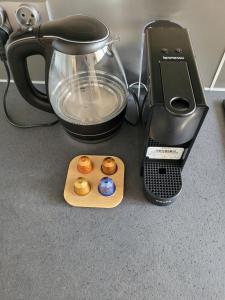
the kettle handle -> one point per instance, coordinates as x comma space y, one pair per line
17, 53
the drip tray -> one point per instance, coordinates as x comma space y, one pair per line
162, 180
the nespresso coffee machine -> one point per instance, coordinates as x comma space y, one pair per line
174, 109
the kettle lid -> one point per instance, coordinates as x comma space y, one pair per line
76, 34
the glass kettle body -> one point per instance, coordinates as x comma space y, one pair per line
86, 89
85, 81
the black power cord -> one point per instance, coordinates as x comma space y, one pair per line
3, 39
137, 105
8, 117
140, 105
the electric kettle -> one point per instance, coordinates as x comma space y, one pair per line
85, 80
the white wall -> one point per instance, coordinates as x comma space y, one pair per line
204, 20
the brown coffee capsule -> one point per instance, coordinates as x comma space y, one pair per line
109, 166
84, 165
82, 186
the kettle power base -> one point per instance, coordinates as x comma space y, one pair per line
162, 181
94, 138
91, 186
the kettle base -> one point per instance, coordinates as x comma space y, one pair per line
94, 133
93, 139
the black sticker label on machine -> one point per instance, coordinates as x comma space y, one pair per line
164, 153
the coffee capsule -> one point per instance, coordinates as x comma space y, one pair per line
109, 166
106, 186
82, 186
84, 165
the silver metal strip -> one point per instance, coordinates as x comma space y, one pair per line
12, 81
214, 89
218, 71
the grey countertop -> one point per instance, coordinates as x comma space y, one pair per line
50, 250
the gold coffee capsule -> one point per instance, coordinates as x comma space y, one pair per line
109, 166
82, 186
84, 165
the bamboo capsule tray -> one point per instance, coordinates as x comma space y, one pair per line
94, 198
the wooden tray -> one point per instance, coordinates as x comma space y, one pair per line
94, 198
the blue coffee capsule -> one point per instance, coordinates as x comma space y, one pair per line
106, 186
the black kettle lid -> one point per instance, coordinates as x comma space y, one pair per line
76, 34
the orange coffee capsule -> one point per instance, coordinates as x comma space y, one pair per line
82, 186
84, 165
109, 166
